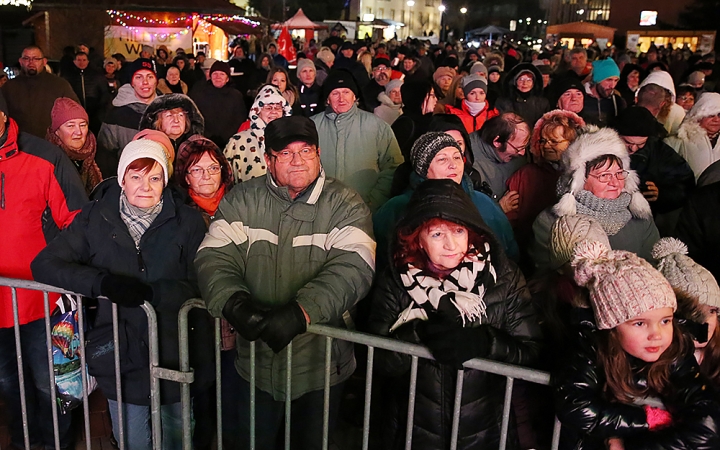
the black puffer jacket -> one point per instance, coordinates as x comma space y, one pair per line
172, 101
97, 243
659, 163
698, 227
224, 110
589, 419
530, 106
515, 336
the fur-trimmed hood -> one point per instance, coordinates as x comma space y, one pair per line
587, 147
707, 105
171, 101
576, 122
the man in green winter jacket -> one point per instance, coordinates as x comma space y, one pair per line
359, 148
286, 250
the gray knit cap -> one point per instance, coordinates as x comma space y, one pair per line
304, 62
426, 147
568, 231
480, 69
473, 81
685, 275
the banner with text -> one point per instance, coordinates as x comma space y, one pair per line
129, 41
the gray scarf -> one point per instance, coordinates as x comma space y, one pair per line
138, 220
611, 214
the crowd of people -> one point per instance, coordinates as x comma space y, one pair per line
553, 210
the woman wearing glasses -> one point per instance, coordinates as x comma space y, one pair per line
535, 183
245, 151
176, 115
597, 181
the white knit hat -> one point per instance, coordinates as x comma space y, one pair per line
142, 148
685, 275
588, 146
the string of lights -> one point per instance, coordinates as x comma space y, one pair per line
15, 2
122, 18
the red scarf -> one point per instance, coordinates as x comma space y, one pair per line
209, 205
10, 147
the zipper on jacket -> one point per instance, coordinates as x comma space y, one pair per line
2, 190
141, 263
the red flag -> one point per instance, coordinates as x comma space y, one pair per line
286, 47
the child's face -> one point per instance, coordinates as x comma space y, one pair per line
711, 318
648, 335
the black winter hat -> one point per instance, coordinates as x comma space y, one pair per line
426, 147
340, 79
284, 131
637, 121
413, 94
142, 64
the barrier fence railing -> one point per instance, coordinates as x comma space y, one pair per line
185, 375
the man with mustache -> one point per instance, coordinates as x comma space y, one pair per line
31, 95
381, 72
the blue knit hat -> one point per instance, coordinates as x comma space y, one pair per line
604, 69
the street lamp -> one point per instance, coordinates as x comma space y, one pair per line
410, 3
463, 10
442, 8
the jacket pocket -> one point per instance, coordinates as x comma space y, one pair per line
100, 350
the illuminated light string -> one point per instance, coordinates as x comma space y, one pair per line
15, 2
121, 17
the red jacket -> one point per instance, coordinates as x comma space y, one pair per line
472, 123
40, 192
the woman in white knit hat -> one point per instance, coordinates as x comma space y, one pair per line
597, 181
631, 381
135, 244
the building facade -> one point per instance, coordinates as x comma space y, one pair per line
419, 17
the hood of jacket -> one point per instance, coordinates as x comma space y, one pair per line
511, 89
172, 101
445, 199
385, 101
126, 96
662, 79
267, 94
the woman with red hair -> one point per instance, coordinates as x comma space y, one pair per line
452, 289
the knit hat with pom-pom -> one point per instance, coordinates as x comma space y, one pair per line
622, 285
685, 275
568, 231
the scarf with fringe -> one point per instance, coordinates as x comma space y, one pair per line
461, 293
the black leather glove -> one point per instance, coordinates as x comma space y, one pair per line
244, 315
452, 344
282, 324
125, 291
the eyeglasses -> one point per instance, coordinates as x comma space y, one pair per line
273, 107
524, 80
520, 150
544, 141
379, 68
286, 156
197, 172
180, 115
687, 98
28, 59
607, 177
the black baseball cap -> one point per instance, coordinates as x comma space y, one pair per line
284, 131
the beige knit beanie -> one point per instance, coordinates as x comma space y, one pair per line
568, 231
685, 275
622, 285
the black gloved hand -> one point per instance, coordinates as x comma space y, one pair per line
282, 324
125, 291
244, 315
452, 344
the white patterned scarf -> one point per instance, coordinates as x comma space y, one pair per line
462, 291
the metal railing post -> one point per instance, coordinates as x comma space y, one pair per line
456, 409
84, 374
51, 369
184, 350
155, 414
118, 378
21, 371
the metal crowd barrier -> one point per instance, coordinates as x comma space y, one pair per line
185, 375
